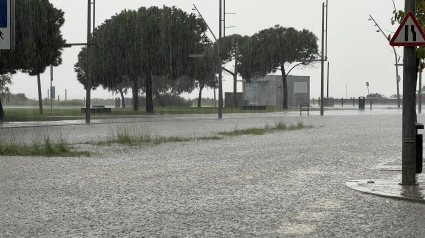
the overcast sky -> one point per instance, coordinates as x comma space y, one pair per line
357, 53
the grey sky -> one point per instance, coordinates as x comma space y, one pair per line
357, 53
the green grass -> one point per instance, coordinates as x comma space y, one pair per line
46, 149
249, 131
134, 137
210, 138
123, 135
279, 126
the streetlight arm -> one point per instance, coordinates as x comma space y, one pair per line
293, 68
228, 71
378, 27
212, 33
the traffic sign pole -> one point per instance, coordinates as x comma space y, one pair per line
409, 113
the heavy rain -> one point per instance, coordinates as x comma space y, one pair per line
219, 118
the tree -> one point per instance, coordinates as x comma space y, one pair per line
5, 79
271, 49
38, 40
169, 35
230, 47
144, 45
204, 70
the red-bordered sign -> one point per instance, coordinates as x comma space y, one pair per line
409, 33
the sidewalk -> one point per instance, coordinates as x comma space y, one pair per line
391, 187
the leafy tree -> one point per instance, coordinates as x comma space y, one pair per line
144, 45
271, 49
38, 40
169, 35
230, 47
204, 70
5, 79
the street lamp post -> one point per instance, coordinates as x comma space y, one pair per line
220, 72
397, 77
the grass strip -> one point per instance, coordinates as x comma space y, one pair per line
46, 149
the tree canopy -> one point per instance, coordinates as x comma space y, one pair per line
271, 49
142, 44
38, 40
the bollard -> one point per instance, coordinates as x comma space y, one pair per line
342, 102
419, 148
319, 101
371, 105
313, 101
354, 102
362, 101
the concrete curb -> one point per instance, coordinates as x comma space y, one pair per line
390, 188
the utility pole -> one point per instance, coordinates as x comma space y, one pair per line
327, 84
88, 78
322, 61
420, 89
220, 74
51, 89
409, 110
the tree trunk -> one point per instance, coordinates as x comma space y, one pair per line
135, 90
122, 98
200, 96
235, 80
149, 101
285, 88
40, 100
1, 112
158, 96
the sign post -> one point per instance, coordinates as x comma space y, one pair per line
409, 34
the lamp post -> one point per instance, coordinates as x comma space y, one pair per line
397, 77
220, 74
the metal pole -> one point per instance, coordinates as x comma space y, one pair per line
420, 90
215, 99
327, 9
327, 84
88, 83
220, 74
408, 119
323, 60
94, 14
397, 78
224, 18
51, 91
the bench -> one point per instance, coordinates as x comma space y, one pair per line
305, 107
254, 107
97, 109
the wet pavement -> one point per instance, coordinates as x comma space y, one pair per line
282, 184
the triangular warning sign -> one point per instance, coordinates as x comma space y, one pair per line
409, 33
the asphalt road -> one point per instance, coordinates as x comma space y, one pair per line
282, 184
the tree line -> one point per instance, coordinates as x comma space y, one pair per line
148, 51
